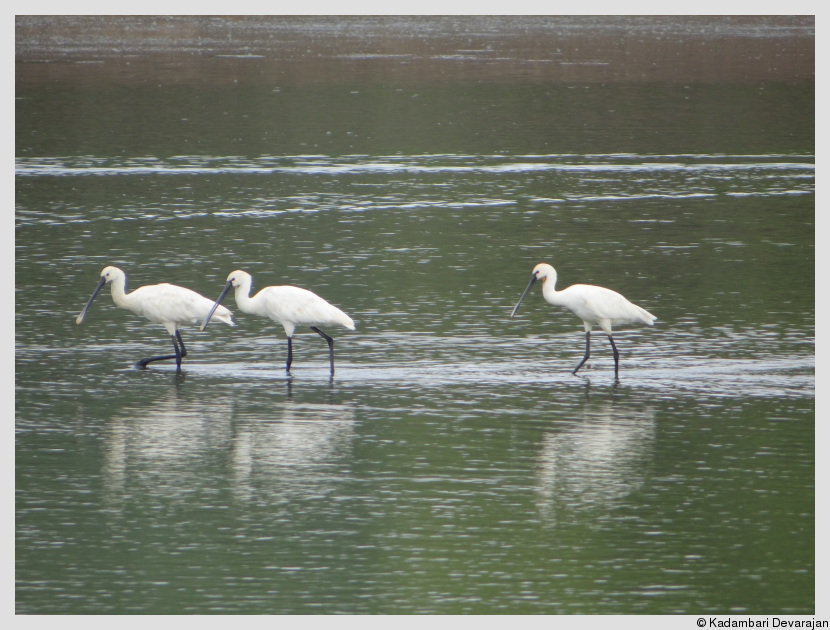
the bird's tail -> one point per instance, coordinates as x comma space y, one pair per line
647, 317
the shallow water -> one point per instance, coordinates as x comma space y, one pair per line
453, 464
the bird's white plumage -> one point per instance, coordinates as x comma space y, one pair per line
167, 304
287, 305
592, 304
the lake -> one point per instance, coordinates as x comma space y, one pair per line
412, 171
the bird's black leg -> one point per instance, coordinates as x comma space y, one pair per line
587, 351
180, 351
178, 356
181, 343
288, 361
616, 358
329, 341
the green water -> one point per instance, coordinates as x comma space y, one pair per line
454, 464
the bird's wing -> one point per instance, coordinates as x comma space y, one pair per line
300, 306
171, 303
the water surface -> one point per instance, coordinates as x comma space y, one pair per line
413, 173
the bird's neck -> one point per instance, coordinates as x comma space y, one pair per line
119, 293
243, 299
549, 289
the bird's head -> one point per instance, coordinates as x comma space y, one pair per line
238, 278
110, 274
543, 271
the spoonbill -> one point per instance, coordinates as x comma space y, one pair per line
593, 305
286, 305
166, 304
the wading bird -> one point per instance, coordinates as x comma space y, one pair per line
166, 304
286, 305
593, 305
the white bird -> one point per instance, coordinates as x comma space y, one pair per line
166, 304
286, 305
593, 305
